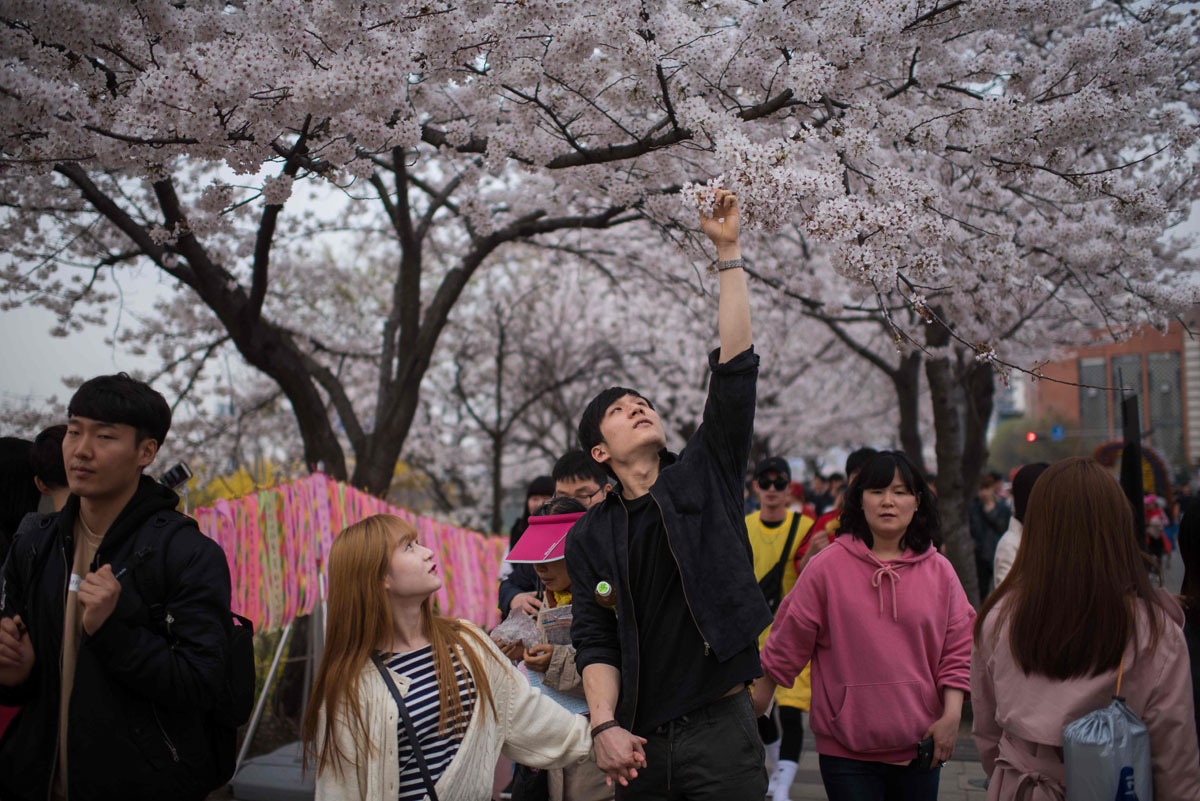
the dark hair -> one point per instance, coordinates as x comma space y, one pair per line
18, 494
856, 460
1189, 552
1022, 485
46, 458
878, 472
837, 477
1069, 591
576, 464
542, 485
589, 423
122, 399
559, 506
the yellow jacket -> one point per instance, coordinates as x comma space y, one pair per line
767, 544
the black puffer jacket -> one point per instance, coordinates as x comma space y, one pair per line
700, 495
135, 725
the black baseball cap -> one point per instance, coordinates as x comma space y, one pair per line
773, 464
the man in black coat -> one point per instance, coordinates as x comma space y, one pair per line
666, 607
114, 706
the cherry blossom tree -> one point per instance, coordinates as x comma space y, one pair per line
988, 166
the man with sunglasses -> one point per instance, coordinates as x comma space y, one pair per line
777, 534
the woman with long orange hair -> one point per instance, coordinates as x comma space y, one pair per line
384, 647
1077, 609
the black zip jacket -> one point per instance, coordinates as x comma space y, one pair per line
135, 725
701, 498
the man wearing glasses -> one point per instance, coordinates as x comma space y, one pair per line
577, 476
778, 536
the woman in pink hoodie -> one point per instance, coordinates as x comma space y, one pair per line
885, 622
1076, 608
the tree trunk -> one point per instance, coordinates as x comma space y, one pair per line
955, 487
907, 380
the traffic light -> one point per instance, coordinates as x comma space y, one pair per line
1031, 436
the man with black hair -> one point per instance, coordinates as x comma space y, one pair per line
577, 475
779, 537
666, 675
115, 696
49, 474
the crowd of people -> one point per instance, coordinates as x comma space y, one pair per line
659, 640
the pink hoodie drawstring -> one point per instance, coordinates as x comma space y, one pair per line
877, 582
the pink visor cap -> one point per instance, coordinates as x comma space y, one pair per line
545, 540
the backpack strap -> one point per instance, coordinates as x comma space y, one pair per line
150, 565
31, 545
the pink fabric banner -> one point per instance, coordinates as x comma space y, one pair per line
276, 541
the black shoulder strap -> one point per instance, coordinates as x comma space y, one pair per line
408, 727
29, 549
791, 537
150, 570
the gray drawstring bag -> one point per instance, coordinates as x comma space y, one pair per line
1107, 754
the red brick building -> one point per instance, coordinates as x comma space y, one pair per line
1162, 370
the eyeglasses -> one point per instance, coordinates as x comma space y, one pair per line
582, 495
779, 483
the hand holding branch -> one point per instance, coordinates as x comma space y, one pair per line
723, 225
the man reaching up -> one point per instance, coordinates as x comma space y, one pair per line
666, 607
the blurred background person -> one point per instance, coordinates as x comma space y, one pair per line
988, 517
18, 494
1006, 549
49, 473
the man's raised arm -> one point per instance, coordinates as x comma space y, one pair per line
733, 306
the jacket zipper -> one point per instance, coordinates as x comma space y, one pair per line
163, 732
682, 583
58, 734
637, 674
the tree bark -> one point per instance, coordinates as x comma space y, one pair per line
906, 378
960, 393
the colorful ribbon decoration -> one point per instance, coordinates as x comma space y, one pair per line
276, 541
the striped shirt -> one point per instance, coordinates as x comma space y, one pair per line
423, 707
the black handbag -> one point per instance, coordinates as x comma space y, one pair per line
772, 583
408, 727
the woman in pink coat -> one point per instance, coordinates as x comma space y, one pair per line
1051, 638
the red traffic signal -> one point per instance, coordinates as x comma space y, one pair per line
1031, 436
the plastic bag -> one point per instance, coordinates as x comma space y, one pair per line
517, 627
1107, 756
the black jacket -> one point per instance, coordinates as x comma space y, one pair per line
135, 725
701, 498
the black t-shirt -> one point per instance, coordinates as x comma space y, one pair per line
675, 674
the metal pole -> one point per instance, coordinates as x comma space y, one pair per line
262, 697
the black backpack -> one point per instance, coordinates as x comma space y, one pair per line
772, 583
235, 700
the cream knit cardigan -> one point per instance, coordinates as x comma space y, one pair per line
531, 730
